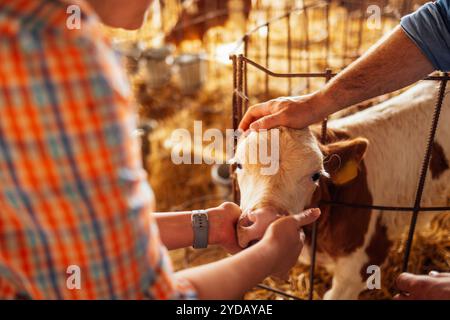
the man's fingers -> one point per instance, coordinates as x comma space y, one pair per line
401, 296
253, 113
267, 122
307, 217
406, 282
437, 274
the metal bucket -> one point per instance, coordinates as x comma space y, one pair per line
131, 51
158, 65
191, 71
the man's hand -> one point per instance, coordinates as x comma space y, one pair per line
293, 112
223, 220
435, 286
393, 63
285, 240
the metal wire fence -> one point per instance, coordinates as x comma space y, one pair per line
241, 98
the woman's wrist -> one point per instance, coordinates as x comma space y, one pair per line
268, 253
215, 219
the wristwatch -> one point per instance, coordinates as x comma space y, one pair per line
200, 226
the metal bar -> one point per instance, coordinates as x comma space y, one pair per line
308, 54
235, 124
240, 85
246, 41
234, 100
383, 208
281, 293
289, 52
267, 60
319, 74
285, 75
312, 266
423, 174
280, 17
242, 95
327, 17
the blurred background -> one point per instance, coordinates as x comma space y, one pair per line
180, 69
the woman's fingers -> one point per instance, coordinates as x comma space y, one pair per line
307, 217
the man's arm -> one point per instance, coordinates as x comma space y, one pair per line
176, 227
393, 63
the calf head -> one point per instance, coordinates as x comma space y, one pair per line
306, 171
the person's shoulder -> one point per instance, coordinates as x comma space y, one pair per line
57, 17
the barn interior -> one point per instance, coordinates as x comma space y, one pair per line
180, 69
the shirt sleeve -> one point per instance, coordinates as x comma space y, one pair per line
114, 181
73, 191
429, 28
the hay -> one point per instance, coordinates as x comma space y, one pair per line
185, 187
431, 251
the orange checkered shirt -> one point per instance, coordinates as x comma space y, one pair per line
74, 201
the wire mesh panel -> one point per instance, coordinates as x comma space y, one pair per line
297, 53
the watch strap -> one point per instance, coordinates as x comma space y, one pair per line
200, 226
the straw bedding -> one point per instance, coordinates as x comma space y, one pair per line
431, 251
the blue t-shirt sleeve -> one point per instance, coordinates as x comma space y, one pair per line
429, 28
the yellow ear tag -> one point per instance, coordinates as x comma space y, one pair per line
346, 174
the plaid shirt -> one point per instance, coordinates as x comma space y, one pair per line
72, 188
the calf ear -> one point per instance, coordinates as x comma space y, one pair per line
343, 158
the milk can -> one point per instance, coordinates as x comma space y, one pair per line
158, 63
192, 72
131, 52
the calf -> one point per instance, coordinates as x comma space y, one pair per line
372, 157
199, 16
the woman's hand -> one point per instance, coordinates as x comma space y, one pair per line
275, 254
285, 240
222, 221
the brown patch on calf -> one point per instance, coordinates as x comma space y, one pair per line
341, 230
438, 162
378, 248
195, 20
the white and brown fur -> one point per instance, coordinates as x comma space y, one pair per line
389, 165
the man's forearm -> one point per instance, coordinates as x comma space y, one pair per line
231, 277
393, 63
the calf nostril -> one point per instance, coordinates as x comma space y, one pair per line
245, 222
252, 242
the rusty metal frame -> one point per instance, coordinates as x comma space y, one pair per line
240, 103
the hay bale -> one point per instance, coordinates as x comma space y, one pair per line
186, 186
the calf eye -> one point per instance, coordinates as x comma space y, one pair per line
316, 176
238, 166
